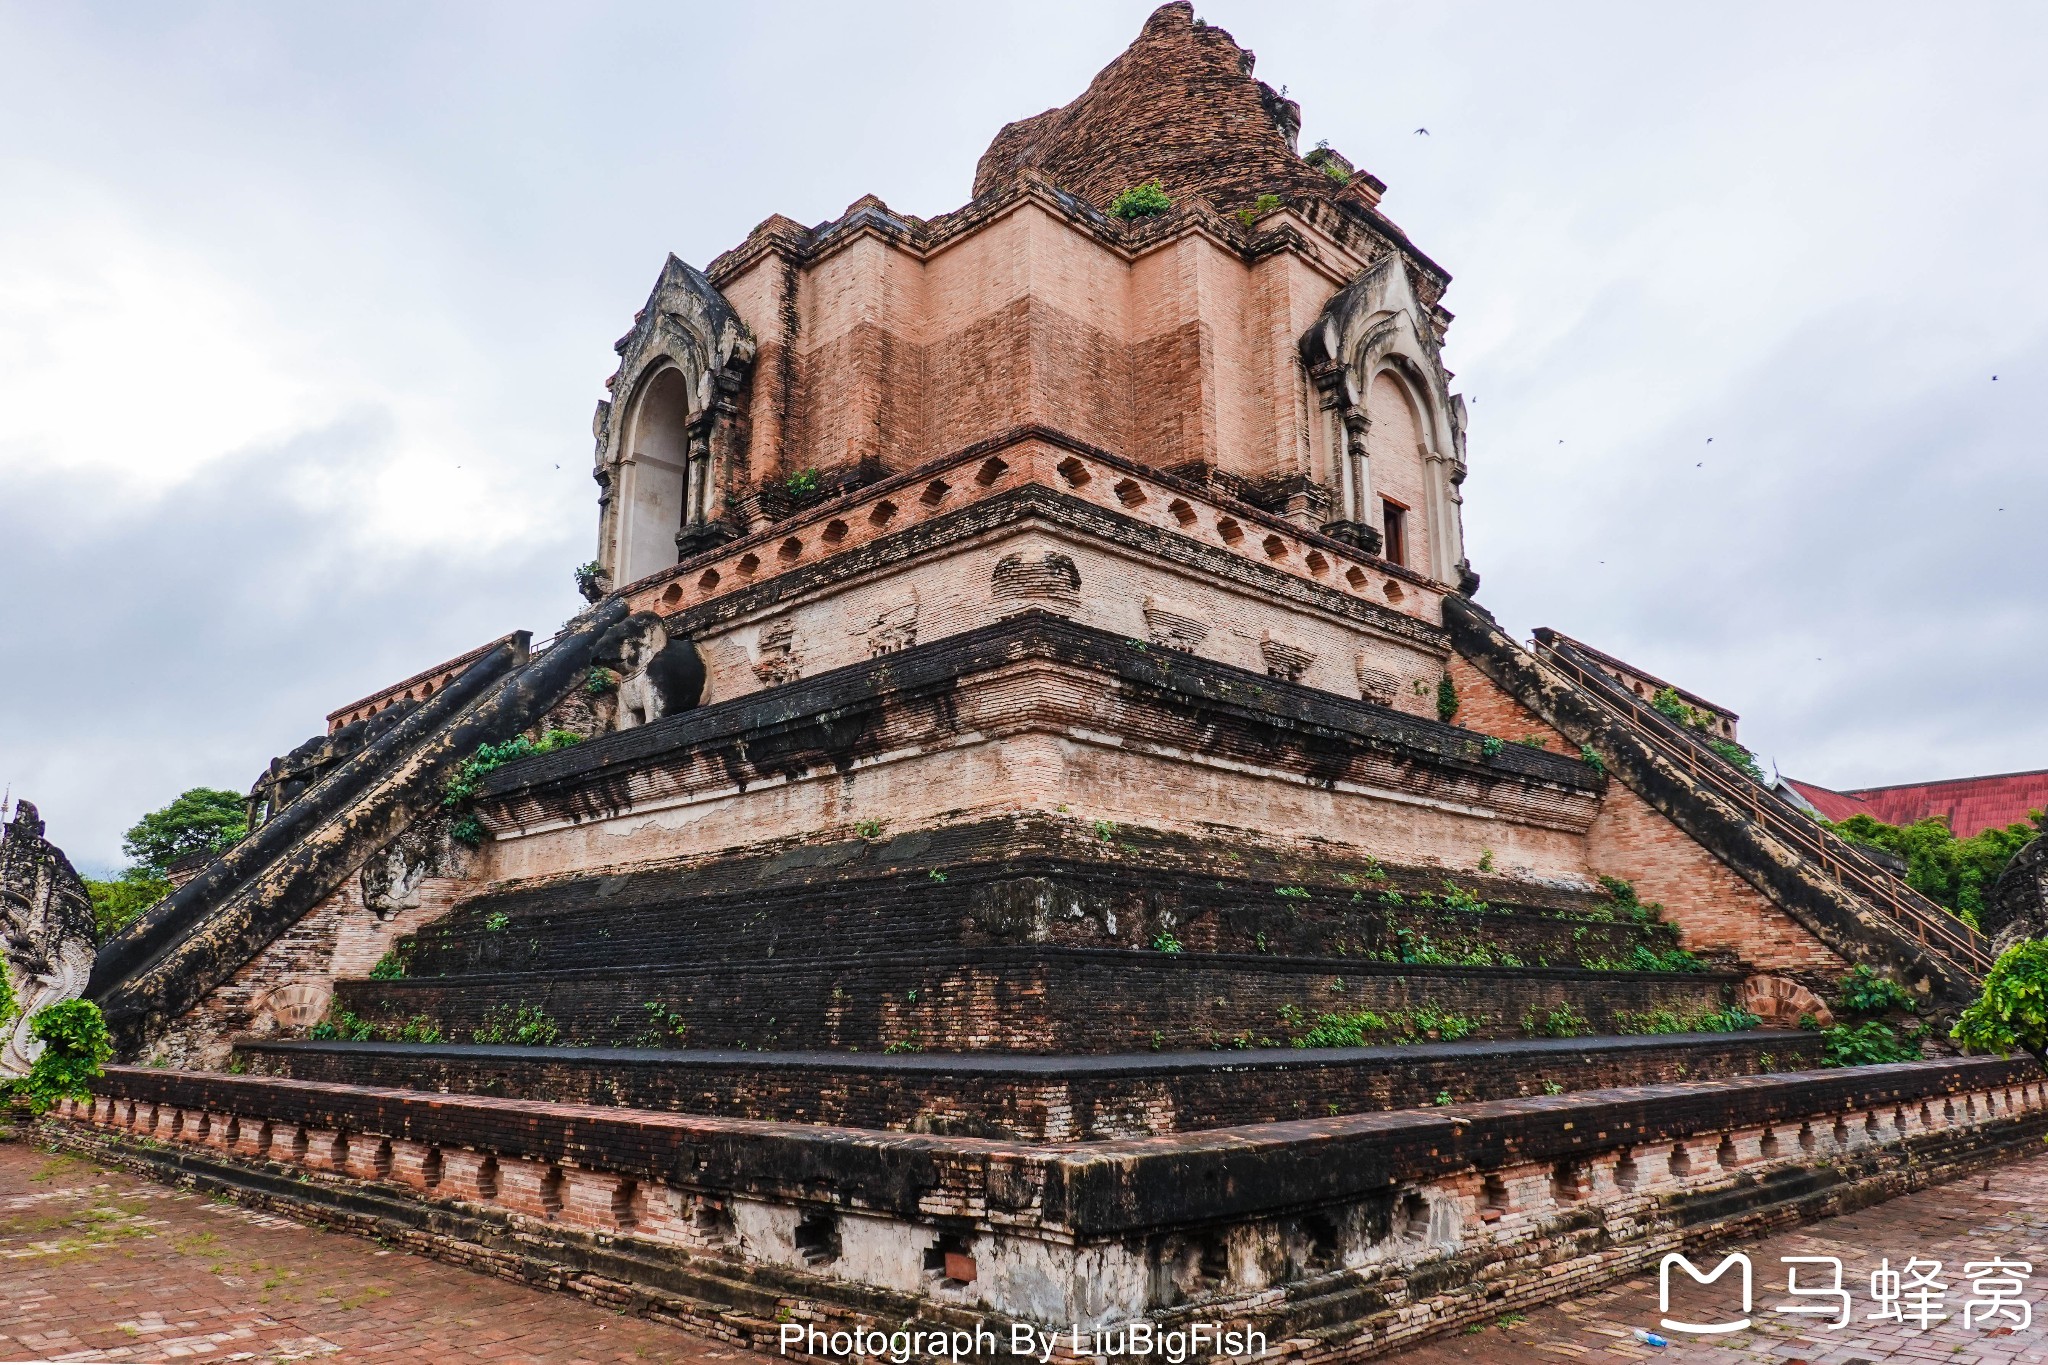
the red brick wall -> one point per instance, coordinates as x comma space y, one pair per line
1712, 907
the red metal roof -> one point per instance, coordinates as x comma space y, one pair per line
1970, 804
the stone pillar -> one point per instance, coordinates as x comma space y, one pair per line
468, 1175
599, 1199
369, 1157
415, 1165
530, 1187
327, 1149
253, 1138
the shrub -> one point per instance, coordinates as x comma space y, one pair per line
1364, 1027
1562, 1021
1664, 1019
116, 902
7, 1001
1864, 992
1148, 200
1165, 942
463, 783
1643, 958
600, 680
419, 1029
1491, 746
1446, 698
1622, 896
1457, 897
525, 1025
390, 967
1741, 758
1865, 1044
802, 484
75, 1050
344, 1026
1590, 756
468, 830
665, 1027
1262, 205
2011, 1013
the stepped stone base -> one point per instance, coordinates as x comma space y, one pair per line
1056, 1099
1017, 999
1338, 1239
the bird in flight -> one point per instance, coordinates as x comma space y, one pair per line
1422, 132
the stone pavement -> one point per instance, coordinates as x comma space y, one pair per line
2003, 1215
100, 1265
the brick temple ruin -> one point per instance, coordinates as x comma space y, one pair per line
1031, 683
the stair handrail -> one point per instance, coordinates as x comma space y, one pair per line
1841, 860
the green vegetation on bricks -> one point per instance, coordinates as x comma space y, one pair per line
76, 1049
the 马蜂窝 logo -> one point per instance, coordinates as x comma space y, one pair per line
1734, 1258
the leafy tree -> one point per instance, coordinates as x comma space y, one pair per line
1954, 872
116, 902
202, 820
2011, 1015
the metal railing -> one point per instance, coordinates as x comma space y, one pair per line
1916, 916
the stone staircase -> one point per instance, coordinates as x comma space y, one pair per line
172, 955
1940, 935
1852, 904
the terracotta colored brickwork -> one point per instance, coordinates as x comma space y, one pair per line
1711, 905
1482, 706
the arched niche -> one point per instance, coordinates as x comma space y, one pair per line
1397, 453
1372, 359
662, 454
655, 467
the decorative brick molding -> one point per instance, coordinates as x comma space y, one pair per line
1782, 1003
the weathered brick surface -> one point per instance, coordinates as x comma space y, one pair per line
98, 1264
1506, 1204
1055, 1099
1035, 1000
1712, 907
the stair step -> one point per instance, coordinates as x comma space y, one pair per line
1042, 1098
1027, 999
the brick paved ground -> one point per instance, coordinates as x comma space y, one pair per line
2005, 1214
106, 1266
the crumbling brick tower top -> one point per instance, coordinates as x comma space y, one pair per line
1271, 336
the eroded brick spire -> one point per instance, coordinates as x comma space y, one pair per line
1179, 104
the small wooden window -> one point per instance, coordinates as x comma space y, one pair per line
1396, 521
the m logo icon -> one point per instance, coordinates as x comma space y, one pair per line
1734, 1258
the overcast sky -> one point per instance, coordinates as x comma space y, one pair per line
304, 309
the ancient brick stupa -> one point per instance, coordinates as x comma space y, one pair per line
1050, 837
